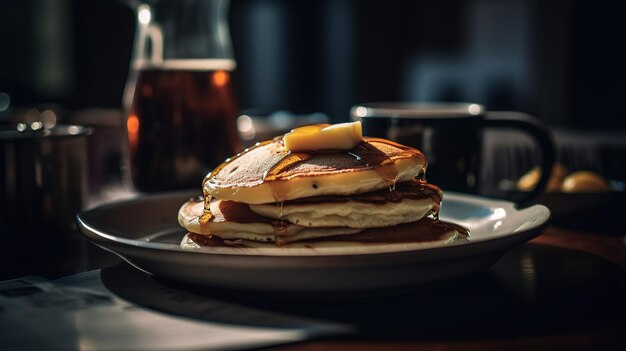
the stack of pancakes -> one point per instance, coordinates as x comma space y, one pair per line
374, 192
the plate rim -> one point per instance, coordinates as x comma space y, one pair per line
106, 240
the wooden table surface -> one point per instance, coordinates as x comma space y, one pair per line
564, 290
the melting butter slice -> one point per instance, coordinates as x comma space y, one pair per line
342, 136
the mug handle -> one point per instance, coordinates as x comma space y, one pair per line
535, 129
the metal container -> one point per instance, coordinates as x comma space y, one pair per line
43, 184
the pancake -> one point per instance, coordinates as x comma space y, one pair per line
407, 202
425, 231
267, 172
234, 220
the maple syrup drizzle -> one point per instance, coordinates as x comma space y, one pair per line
280, 225
207, 216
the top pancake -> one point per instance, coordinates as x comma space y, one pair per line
267, 172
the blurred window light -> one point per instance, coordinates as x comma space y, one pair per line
143, 14
36, 125
245, 125
474, 109
361, 111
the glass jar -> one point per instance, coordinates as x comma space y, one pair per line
180, 106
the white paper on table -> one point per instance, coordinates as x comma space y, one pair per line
79, 313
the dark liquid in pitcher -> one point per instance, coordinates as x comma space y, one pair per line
181, 124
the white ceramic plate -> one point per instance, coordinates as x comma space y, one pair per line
145, 232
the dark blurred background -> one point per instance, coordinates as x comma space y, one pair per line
558, 60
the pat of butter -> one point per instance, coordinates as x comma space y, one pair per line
343, 136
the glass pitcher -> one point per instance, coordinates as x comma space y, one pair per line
180, 108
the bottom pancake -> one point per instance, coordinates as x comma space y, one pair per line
426, 230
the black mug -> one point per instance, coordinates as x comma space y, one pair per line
450, 135
43, 184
